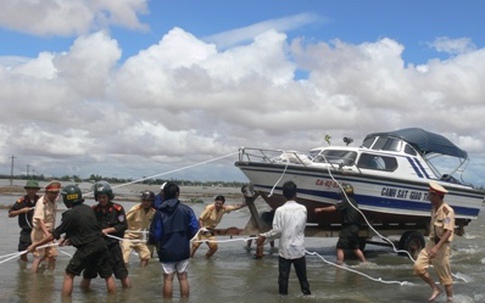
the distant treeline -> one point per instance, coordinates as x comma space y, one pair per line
94, 178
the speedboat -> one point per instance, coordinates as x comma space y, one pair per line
390, 173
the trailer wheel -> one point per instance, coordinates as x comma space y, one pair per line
412, 242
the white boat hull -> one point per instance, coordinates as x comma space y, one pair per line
385, 201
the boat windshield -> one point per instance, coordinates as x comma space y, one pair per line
384, 143
345, 157
390, 144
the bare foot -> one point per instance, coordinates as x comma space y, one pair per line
436, 293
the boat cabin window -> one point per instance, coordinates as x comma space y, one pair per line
409, 150
368, 142
344, 157
386, 143
377, 162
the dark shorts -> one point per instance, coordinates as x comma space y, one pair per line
92, 257
349, 237
116, 262
25, 239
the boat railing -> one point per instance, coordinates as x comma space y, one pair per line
266, 155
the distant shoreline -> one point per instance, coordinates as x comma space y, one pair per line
131, 192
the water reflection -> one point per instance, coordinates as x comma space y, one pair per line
232, 275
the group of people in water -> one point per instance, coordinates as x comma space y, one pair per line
104, 235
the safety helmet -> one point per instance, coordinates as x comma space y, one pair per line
71, 195
348, 189
147, 196
103, 188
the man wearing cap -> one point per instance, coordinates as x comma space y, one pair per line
208, 220
351, 221
82, 230
24, 209
437, 250
139, 218
43, 223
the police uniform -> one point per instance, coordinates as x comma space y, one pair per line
112, 216
138, 220
442, 220
210, 217
45, 210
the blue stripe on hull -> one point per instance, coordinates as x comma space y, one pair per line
398, 205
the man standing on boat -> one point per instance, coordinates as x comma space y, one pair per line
208, 220
24, 209
437, 250
351, 220
289, 226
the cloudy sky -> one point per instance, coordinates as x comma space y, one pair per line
136, 88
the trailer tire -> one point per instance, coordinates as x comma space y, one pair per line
413, 242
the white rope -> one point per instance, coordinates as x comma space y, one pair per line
225, 241
375, 231
380, 280
9, 255
281, 177
13, 256
362, 214
171, 171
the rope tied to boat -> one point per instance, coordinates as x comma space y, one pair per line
363, 216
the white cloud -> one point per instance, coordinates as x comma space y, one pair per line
453, 46
183, 101
66, 18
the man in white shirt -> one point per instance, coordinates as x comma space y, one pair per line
289, 226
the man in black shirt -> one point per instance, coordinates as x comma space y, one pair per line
111, 217
82, 230
24, 209
351, 220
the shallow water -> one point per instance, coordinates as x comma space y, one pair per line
232, 275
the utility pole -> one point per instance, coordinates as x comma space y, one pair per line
28, 167
11, 171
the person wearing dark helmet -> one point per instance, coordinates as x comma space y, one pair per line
351, 221
139, 218
112, 219
82, 230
